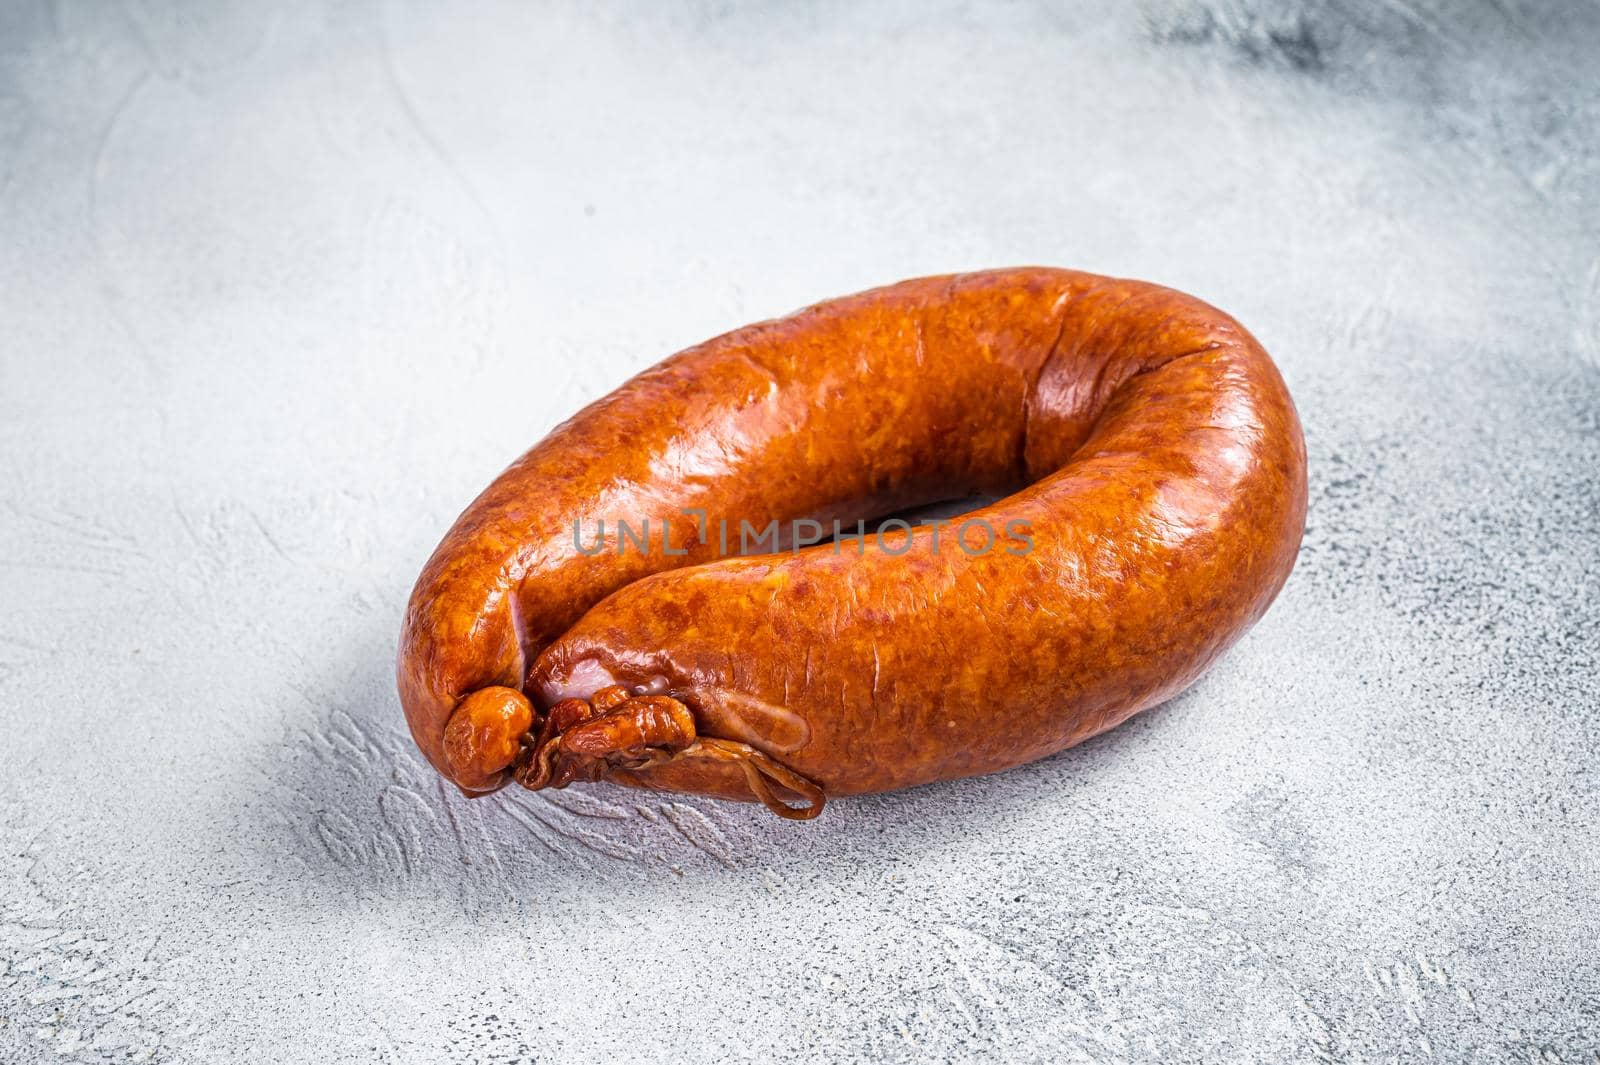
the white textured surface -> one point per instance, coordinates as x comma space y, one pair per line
282, 285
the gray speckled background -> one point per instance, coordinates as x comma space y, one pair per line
283, 285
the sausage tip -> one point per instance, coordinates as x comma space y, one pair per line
484, 736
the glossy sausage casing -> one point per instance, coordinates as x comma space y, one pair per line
1159, 479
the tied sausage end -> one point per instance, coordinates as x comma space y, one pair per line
484, 736
587, 739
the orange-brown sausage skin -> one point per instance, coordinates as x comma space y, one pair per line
1162, 492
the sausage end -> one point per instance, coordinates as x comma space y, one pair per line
484, 737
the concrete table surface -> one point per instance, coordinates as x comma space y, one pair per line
282, 285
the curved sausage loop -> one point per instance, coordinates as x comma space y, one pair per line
1141, 440
583, 740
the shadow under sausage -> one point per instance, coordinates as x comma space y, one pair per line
344, 812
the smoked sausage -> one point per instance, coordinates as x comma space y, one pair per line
600, 612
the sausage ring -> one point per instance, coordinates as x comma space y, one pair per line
600, 612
